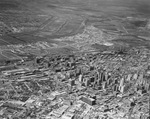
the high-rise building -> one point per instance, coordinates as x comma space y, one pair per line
122, 89
135, 76
96, 76
99, 72
72, 82
92, 79
87, 81
99, 82
91, 68
104, 85
109, 75
102, 76
109, 81
140, 78
121, 82
93, 96
115, 88
81, 78
78, 71
116, 81
129, 77
106, 76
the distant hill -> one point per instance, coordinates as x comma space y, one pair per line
9, 4
142, 6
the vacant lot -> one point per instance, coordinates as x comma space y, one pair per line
133, 41
2, 58
9, 54
3, 42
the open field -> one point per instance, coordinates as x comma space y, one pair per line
3, 57
41, 23
7, 4
133, 41
9, 54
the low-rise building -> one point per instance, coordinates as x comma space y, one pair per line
68, 115
88, 100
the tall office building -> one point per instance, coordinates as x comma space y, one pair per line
104, 85
72, 82
106, 76
109, 81
122, 89
81, 78
115, 88
129, 77
115, 81
87, 81
135, 76
103, 76
92, 79
121, 82
78, 71
140, 78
